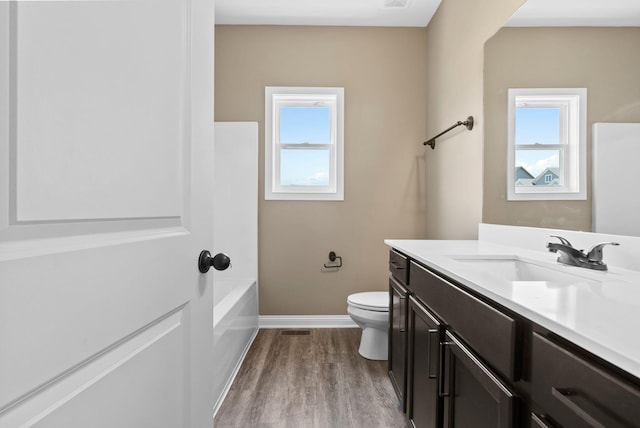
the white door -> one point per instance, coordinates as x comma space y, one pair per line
106, 132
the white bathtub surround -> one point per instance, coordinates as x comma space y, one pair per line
598, 311
616, 148
306, 321
235, 209
235, 232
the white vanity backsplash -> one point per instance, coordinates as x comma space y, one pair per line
625, 256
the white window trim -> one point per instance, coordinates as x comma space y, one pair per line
274, 96
573, 155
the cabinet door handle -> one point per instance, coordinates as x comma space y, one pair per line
403, 315
434, 342
445, 369
539, 422
568, 398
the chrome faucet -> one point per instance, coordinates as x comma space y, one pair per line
568, 255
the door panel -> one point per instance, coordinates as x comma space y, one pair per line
106, 117
72, 399
107, 127
58, 325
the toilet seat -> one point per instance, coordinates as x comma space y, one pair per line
376, 301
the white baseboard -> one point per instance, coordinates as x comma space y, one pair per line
306, 321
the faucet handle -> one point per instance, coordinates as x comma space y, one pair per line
595, 253
563, 240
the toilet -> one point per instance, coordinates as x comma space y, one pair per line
370, 310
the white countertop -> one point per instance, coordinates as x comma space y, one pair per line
599, 311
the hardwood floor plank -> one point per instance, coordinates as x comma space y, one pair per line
316, 380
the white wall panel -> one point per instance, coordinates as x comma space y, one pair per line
616, 200
235, 222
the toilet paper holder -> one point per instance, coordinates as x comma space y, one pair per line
335, 263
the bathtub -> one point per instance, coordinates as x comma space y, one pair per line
235, 325
235, 231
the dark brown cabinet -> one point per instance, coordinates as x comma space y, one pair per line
398, 294
469, 393
471, 362
473, 395
490, 333
424, 407
399, 267
539, 421
574, 392
398, 339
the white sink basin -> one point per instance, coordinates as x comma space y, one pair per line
515, 269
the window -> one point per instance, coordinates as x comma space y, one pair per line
547, 144
304, 147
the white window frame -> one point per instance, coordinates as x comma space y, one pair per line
573, 143
279, 96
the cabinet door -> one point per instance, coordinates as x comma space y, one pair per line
473, 395
398, 338
424, 407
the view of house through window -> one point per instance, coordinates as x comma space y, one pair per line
538, 145
304, 143
547, 144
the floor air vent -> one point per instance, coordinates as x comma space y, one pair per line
295, 332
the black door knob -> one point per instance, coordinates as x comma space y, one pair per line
219, 262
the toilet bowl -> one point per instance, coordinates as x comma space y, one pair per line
370, 310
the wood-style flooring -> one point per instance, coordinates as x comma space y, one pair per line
315, 380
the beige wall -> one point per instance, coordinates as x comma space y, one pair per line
383, 72
455, 50
603, 60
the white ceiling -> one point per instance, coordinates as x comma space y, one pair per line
387, 13
418, 13
570, 13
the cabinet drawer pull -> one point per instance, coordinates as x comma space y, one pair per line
395, 266
568, 398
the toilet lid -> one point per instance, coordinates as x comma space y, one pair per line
371, 301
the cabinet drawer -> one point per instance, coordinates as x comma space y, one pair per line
490, 333
399, 267
575, 392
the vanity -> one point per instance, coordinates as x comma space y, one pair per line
488, 333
